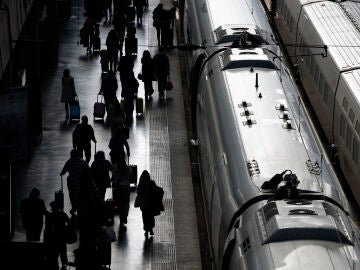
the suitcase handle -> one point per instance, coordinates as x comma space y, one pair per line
101, 97
62, 186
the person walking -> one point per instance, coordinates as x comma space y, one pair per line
126, 65
100, 169
129, 92
68, 90
121, 189
109, 86
161, 70
147, 73
112, 44
150, 202
55, 237
139, 5
158, 19
33, 210
73, 166
82, 137
117, 144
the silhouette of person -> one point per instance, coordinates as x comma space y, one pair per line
54, 237
147, 73
162, 70
146, 201
117, 144
158, 19
73, 166
100, 169
68, 90
112, 44
121, 189
82, 137
139, 5
108, 88
33, 210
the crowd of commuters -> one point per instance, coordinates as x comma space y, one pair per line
87, 184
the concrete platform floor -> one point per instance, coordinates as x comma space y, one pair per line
158, 143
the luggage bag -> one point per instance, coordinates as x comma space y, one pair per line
99, 107
59, 196
167, 36
97, 44
74, 109
139, 106
131, 44
133, 177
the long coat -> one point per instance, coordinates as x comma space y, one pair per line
68, 89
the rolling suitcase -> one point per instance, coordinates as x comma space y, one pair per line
74, 109
131, 44
139, 106
99, 107
97, 44
133, 169
59, 196
167, 36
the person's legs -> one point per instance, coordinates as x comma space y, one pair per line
63, 253
158, 34
161, 87
67, 109
87, 151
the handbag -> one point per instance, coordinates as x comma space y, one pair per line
137, 202
169, 85
109, 234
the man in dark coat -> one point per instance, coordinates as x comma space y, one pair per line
32, 210
108, 88
82, 137
162, 70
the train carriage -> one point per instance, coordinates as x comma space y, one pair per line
271, 197
330, 82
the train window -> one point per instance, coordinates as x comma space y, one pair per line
357, 127
355, 152
342, 127
351, 115
345, 104
348, 138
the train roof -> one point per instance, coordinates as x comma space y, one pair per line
337, 31
268, 125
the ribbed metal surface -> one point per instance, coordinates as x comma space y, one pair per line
163, 246
352, 9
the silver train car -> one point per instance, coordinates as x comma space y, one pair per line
271, 197
332, 82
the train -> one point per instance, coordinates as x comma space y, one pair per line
331, 82
271, 196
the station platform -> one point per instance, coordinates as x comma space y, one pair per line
158, 143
